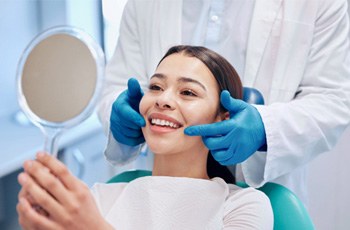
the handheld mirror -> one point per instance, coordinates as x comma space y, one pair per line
59, 79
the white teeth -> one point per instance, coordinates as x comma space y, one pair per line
163, 123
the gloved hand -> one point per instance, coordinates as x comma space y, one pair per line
126, 121
232, 141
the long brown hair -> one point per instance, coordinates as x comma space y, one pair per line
227, 79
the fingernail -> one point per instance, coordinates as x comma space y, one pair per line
22, 178
21, 200
40, 155
142, 124
28, 164
187, 131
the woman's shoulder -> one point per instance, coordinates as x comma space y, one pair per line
238, 195
247, 208
236, 192
246, 194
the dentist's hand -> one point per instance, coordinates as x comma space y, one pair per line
233, 141
126, 121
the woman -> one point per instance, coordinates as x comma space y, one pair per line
183, 192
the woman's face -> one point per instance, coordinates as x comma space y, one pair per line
182, 92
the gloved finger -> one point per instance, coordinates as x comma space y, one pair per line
127, 114
233, 160
229, 161
231, 104
216, 143
128, 123
126, 131
220, 155
134, 89
129, 141
215, 129
223, 157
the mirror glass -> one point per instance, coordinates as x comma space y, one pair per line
59, 80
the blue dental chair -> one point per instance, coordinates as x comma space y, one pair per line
289, 212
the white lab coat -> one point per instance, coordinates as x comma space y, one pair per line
297, 56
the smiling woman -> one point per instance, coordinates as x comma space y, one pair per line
187, 80
182, 193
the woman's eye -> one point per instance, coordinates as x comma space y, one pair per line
154, 87
189, 92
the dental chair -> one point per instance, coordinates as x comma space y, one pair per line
289, 212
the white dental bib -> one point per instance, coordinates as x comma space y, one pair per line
157, 202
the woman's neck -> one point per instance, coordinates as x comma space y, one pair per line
181, 165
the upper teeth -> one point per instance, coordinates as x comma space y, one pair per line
163, 123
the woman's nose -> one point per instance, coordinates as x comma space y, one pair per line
165, 101
163, 105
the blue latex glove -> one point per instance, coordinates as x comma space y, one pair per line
232, 141
126, 121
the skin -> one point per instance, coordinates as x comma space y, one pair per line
180, 89
52, 198
66, 201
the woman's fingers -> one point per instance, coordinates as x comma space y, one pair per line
26, 195
23, 194
49, 175
49, 182
59, 170
41, 198
67, 201
30, 219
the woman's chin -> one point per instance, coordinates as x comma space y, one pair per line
167, 144
163, 147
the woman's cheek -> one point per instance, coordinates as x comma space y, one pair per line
199, 114
143, 105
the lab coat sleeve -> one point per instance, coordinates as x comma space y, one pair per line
310, 124
126, 62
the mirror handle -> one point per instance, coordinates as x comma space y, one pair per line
51, 139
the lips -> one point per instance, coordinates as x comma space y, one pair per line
164, 121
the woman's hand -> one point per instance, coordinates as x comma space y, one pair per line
52, 198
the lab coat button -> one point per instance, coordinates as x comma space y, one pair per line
214, 18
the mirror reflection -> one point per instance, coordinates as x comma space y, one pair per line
50, 75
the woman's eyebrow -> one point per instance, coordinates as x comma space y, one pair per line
159, 75
191, 80
181, 79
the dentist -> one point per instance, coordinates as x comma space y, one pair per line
296, 53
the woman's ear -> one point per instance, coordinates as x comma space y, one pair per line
226, 116
222, 116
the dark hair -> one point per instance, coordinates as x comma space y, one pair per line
227, 79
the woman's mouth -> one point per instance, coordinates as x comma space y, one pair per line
162, 122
